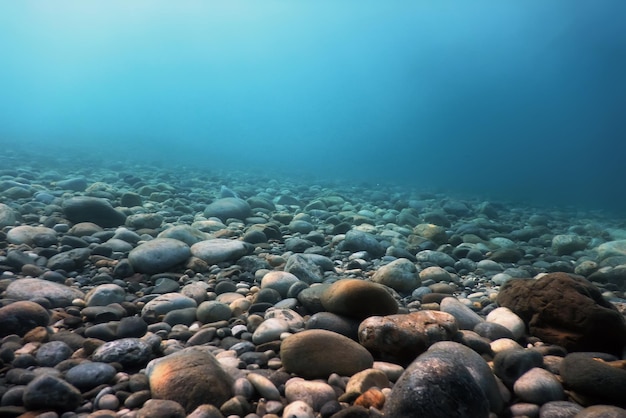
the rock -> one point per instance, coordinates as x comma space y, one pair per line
144, 221
269, 330
431, 232
7, 216
158, 255
298, 409
217, 250
602, 411
567, 311
50, 392
57, 294
280, 281
105, 294
611, 248
22, 316
213, 311
357, 298
69, 260
356, 240
314, 354
304, 269
27, 234
161, 408
475, 364
77, 184
366, 379
129, 352
510, 364
538, 386
566, 244
52, 353
492, 331
505, 317
163, 304
88, 375
400, 338
436, 388
314, 393
264, 386
337, 323
465, 317
400, 274
559, 409
594, 379
92, 209
435, 273
228, 207
184, 233
435, 257
191, 377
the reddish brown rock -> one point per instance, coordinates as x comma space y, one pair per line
568, 311
401, 338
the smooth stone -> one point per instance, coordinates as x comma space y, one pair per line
465, 317
493, 331
400, 338
559, 409
358, 299
158, 255
314, 393
565, 244
206, 411
315, 354
435, 273
593, 378
118, 245
304, 269
52, 353
298, 409
163, 304
400, 274
191, 377
7, 216
26, 234
602, 411
356, 240
510, 364
213, 311
105, 294
228, 207
611, 248
270, 330
50, 392
161, 408
568, 311
185, 233
505, 317
144, 221
69, 260
185, 316
436, 387
438, 258
538, 386
77, 184
291, 317
92, 209
475, 364
337, 323
366, 379
434, 233
129, 352
264, 386
280, 281
88, 375
503, 344
22, 316
217, 250
57, 294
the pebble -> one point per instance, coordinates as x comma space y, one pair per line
314, 393
505, 317
538, 386
465, 317
400, 274
358, 299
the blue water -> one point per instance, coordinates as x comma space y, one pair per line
523, 100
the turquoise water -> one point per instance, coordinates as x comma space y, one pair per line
522, 100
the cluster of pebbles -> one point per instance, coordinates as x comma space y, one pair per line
143, 293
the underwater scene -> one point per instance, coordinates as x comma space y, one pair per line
221, 209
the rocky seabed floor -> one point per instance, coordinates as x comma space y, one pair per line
135, 291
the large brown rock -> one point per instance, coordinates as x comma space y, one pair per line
401, 338
191, 377
566, 310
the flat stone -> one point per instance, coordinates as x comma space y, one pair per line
58, 294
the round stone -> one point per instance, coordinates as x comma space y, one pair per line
158, 255
538, 386
508, 319
228, 207
217, 250
22, 316
88, 375
315, 354
49, 392
314, 393
213, 311
280, 281
105, 294
129, 352
400, 274
357, 298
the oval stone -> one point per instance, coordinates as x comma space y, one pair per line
158, 255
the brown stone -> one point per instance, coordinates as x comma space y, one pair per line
357, 298
401, 338
568, 311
